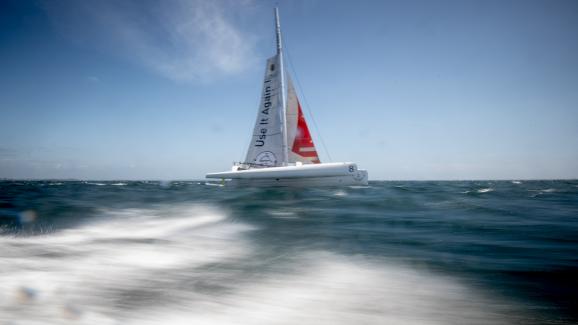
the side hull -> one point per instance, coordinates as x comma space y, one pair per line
347, 180
310, 170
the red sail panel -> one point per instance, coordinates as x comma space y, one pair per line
303, 144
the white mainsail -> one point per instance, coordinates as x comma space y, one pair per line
266, 147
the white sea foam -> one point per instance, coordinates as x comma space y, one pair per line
332, 289
481, 190
214, 184
285, 214
542, 191
90, 274
72, 271
340, 193
546, 190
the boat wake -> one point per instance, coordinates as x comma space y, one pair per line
110, 266
194, 264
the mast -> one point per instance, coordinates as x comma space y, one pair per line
283, 99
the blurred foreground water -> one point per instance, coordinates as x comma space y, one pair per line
503, 252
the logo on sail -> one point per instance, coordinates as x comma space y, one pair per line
266, 158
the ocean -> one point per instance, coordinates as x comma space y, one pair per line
393, 252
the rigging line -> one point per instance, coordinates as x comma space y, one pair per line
286, 50
246, 148
248, 143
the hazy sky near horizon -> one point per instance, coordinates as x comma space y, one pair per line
407, 89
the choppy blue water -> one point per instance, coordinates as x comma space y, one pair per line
476, 252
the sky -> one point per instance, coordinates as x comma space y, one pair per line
409, 90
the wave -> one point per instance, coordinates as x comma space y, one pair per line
97, 184
319, 287
213, 184
478, 191
192, 264
105, 184
340, 193
123, 252
282, 214
541, 192
334, 289
283, 257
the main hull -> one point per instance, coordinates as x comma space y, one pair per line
329, 174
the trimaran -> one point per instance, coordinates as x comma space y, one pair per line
282, 152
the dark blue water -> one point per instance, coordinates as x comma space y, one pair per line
475, 252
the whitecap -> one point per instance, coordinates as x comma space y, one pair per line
283, 214
485, 190
340, 193
542, 191
214, 184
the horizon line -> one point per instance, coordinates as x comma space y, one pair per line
2, 179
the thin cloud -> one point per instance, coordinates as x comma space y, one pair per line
93, 79
182, 40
